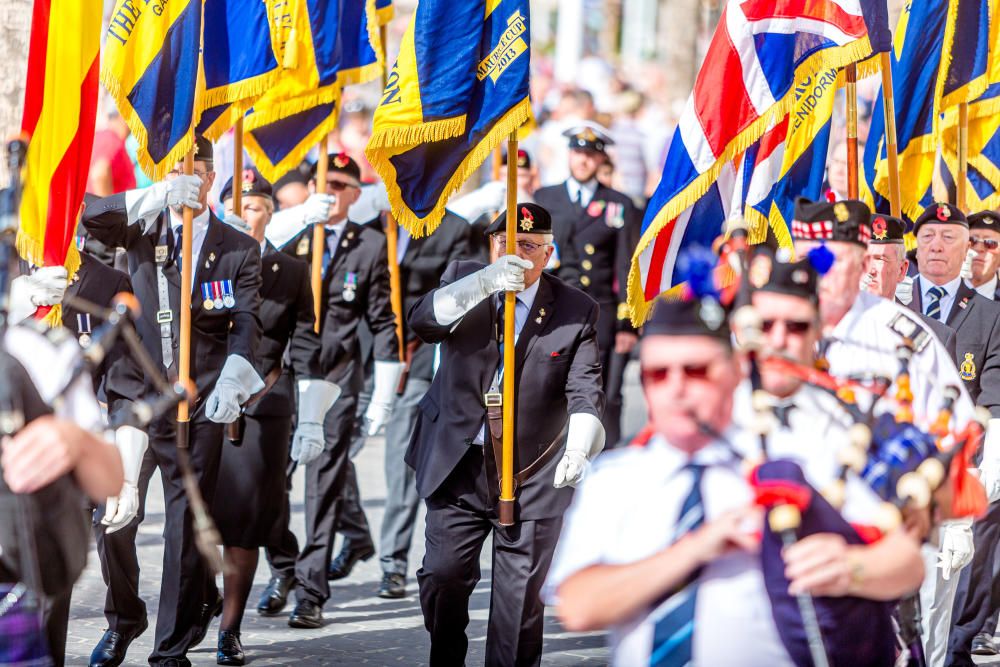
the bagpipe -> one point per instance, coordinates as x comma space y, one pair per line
903, 464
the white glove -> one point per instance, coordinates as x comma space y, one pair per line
453, 301
237, 382
316, 397
904, 290
956, 547
383, 393
148, 202
966, 272
236, 222
316, 209
584, 441
45, 286
121, 509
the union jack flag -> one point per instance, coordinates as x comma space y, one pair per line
760, 51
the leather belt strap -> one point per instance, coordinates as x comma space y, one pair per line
164, 314
234, 430
494, 417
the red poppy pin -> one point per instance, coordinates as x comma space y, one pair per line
527, 219
879, 228
943, 213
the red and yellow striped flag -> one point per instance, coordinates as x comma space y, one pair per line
60, 107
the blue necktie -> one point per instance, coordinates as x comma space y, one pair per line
935, 294
674, 628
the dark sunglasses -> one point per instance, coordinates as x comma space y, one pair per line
338, 186
791, 326
989, 244
663, 373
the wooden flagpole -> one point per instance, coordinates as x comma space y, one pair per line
851, 94
392, 242
238, 168
506, 505
319, 236
187, 275
961, 185
891, 150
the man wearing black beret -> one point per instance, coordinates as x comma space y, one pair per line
984, 239
455, 449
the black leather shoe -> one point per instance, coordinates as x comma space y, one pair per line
393, 586
982, 644
230, 649
275, 596
307, 614
208, 612
110, 651
345, 561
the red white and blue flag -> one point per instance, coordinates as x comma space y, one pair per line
761, 50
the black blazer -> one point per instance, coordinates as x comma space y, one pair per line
361, 260
602, 243
226, 254
286, 315
115, 379
976, 322
420, 271
558, 372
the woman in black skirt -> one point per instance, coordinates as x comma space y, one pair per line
251, 500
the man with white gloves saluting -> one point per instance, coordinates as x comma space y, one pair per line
225, 335
455, 449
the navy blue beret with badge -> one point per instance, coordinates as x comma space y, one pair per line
767, 274
523, 159
985, 220
341, 163
887, 229
252, 184
531, 219
941, 214
203, 149
848, 221
699, 311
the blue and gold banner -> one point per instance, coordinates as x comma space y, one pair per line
458, 88
324, 45
152, 67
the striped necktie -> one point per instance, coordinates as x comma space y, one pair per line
674, 627
935, 294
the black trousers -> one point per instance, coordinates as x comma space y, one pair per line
324, 484
458, 523
123, 608
353, 523
281, 555
613, 369
978, 595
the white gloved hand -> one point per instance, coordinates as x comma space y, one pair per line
966, 272
584, 441
383, 394
45, 286
453, 301
149, 202
316, 397
237, 382
236, 222
904, 290
956, 547
316, 209
121, 509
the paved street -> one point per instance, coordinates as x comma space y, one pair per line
360, 628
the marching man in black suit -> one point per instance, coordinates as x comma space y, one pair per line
596, 229
453, 449
251, 501
225, 334
355, 288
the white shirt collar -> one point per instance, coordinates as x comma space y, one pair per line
586, 190
200, 221
716, 452
951, 286
989, 288
527, 297
338, 228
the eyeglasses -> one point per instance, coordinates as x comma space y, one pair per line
989, 244
339, 186
687, 371
174, 173
791, 326
527, 246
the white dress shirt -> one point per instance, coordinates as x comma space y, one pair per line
947, 301
200, 229
988, 289
586, 190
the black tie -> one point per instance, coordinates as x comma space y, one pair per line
782, 412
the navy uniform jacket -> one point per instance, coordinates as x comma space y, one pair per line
286, 315
976, 322
226, 254
558, 373
420, 271
116, 375
361, 263
602, 237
